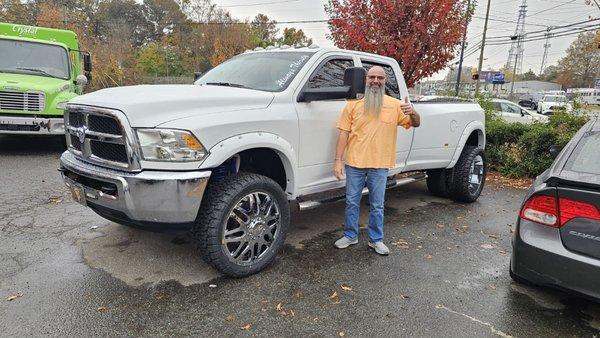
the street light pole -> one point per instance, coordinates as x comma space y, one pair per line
487, 15
462, 50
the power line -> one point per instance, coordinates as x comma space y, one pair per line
551, 8
553, 36
545, 30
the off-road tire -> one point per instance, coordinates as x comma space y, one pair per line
437, 183
218, 201
458, 182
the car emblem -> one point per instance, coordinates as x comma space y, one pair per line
80, 133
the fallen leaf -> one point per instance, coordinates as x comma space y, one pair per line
404, 296
493, 236
246, 327
342, 333
94, 227
212, 286
502, 252
428, 256
346, 288
15, 296
102, 309
230, 318
55, 199
333, 295
492, 287
279, 307
292, 313
487, 246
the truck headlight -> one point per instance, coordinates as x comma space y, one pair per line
170, 145
62, 105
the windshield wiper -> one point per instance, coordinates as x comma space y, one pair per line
226, 84
36, 70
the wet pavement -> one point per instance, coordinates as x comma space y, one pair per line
70, 272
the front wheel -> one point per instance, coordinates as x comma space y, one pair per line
468, 175
242, 224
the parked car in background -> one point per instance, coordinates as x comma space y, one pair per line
550, 104
556, 241
437, 98
511, 112
530, 101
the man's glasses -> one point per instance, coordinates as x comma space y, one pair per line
375, 77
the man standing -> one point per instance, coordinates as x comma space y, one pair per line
368, 130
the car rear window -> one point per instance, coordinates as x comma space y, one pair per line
586, 158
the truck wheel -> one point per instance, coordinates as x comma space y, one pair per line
468, 175
242, 224
437, 183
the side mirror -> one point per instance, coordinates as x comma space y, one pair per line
197, 75
354, 84
555, 150
81, 80
522, 113
87, 62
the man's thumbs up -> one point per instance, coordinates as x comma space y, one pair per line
406, 106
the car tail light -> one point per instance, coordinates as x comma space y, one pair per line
541, 209
570, 209
550, 211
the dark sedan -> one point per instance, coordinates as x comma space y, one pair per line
557, 237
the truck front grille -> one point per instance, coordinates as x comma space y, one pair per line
99, 136
22, 101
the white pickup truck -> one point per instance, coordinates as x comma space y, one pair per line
228, 156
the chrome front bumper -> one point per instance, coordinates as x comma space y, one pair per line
157, 197
32, 125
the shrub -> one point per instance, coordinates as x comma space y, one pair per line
520, 150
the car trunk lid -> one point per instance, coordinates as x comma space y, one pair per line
580, 219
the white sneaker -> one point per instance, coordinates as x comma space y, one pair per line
345, 242
380, 248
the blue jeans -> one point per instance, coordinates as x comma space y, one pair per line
355, 182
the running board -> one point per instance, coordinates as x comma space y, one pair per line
307, 205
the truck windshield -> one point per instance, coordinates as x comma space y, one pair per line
267, 71
26, 57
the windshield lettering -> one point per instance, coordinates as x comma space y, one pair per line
293, 69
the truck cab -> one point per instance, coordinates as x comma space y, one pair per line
40, 70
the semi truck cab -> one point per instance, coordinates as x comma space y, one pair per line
40, 71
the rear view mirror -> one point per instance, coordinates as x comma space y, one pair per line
555, 150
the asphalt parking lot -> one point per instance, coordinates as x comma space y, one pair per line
65, 271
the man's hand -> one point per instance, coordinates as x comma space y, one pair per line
408, 110
407, 107
338, 169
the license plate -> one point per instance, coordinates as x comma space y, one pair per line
78, 194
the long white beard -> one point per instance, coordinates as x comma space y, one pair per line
373, 99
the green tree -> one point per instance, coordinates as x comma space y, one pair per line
293, 36
528, 76
157, 60
264, 30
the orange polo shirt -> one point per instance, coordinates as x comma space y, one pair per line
372, 141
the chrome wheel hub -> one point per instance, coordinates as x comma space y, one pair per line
476, 174
251, 229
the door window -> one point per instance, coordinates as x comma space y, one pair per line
509, 108
330, 74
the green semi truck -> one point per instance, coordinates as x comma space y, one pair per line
40, 70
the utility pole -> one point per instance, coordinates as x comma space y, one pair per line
462, 50
514, 79
487, 15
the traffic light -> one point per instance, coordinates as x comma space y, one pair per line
475, 76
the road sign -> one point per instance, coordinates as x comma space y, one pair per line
498, 78
491, 76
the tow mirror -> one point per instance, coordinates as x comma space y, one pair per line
555, 150
87, 62
354, 84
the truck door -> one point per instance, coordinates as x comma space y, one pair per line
317, 121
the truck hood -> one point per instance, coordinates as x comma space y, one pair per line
26, 82
152, 105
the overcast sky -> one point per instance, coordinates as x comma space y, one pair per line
540, 14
